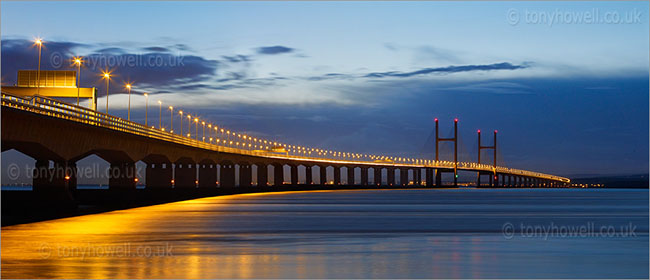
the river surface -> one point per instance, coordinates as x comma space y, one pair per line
438, 233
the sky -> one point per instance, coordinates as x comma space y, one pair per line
564, 83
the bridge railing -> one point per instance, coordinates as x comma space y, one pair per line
55, 108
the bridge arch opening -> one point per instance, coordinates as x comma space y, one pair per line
18, 170
93, 172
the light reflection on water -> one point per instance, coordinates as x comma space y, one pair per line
340, 234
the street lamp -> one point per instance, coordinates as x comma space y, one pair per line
171, 118
78, 61
160, 115
128, 87
39, 42
210, 132
146, 109
196, 137
189, 126
107, 77
181, 113
203, 123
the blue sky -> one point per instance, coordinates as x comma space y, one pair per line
569, 97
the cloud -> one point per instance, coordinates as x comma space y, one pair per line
448, 69
156, 49
237, 58
153, 70
274, 50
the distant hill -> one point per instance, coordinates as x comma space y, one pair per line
622, 181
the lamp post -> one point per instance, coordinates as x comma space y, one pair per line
128, 88
107, 77
196, 137
146, 109
77, 61
203, 123
39, 42
171, 119
181, 113
210, 132
189, 126
160, 115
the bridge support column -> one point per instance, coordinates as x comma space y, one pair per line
226, 175
245, 175
337, 175
428, 174
403, 177
278, 175
159, 175
308, 175
207, 175
376, 176
323, 174
262, 175
294, 175
184, 175
390, 176
417, 174
438, 178
364, 176
122, 176
55, 185
350, 175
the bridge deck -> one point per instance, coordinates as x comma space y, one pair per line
61, 110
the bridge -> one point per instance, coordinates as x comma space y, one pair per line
50, 130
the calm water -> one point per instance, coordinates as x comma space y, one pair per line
447, 233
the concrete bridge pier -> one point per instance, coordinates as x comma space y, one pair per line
417, 176
294, 175
245, 175
54, 187
207, 175
364, 176
227, 175
323, 175
428, 174
184, 175
262, 175
308, 175
376, 176
350, 175
403, 177
278, 175
337, 175
438, 178
159, 175
122, 176
390, 178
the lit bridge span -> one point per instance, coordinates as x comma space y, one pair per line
49, 130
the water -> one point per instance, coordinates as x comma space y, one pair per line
443, 233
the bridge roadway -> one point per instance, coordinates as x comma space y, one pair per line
50, 130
